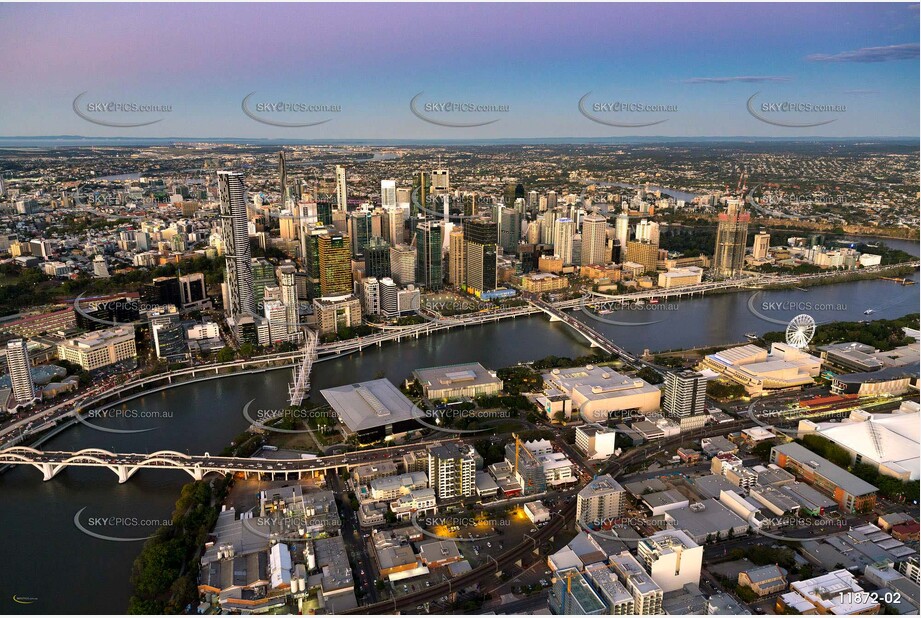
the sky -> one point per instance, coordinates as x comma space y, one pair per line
384, 71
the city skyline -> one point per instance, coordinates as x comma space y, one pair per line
439, 309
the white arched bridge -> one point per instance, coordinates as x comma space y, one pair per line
125, 465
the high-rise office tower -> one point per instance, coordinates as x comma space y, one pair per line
192, 289
456, 258
761, 245
685, 393
403, 264
312, 234
533, 199
279, 321
237, 255
287, 281
371, 296
576, 248
283, 178
418, 202
563, 231
521, 206
551, 200
335, 265
644, 253
441, 181
263, 277
533, 232
509, 228
341, 190
429, 259
480, 260
594, 248
377, 258
389, 298
622, 229
360, 229
388, 193
647, 231
731, 237
17, 362
547, 226
393, 227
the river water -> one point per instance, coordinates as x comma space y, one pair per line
48, 561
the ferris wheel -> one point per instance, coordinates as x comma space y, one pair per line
800, 331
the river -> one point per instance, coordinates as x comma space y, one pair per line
48, 559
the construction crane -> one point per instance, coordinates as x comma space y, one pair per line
568, 592
518, 447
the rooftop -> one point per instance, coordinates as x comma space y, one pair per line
464, 374
840, 477
599, 486
367, 405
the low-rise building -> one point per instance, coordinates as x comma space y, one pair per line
572, 594
457, 381
387, 488
417, 501
99, 348
760, 371
439, 553
706, 521
596, 441
537, 512
836, 593
596, 392
672, 558
647, 594
852, 494
764, 580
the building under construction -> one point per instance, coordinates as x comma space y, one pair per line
525, 467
